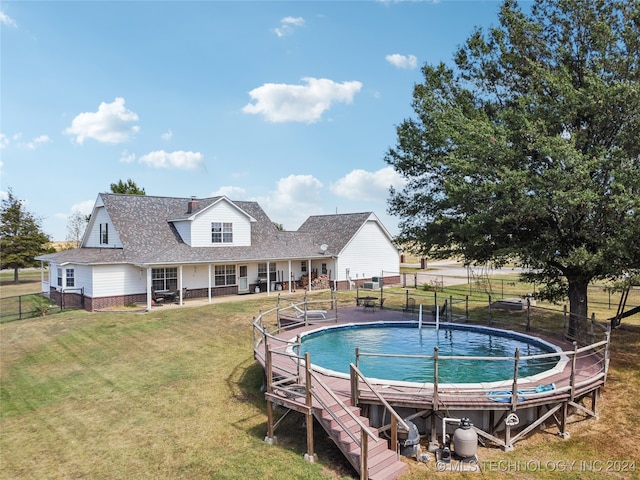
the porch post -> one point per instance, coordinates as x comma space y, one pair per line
290, 277
209, 285
180, 284
268, 279
148, 289
309, 272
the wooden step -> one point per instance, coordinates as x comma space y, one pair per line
391, 472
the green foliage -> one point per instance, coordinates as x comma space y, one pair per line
21, 238
527, 150
128, 187
40, 304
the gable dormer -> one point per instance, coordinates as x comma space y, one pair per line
218, 224
100, 232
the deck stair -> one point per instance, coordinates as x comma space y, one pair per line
343, 423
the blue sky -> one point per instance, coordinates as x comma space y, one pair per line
291, 104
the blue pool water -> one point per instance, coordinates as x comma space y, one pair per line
334, 349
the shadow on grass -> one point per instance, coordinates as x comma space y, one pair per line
247, 385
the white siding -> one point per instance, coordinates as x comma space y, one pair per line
111, 280
368, 254
221, 212
83, 278
100, 216
81, 273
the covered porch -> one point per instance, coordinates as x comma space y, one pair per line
173, 284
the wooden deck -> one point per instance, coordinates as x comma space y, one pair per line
578, 379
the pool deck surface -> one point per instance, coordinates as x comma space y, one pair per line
587, 373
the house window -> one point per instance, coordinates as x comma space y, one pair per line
324, 268
303, 266
164, 278
104, 233
59, 277
71, 279
262, 271
224, 275
221, 232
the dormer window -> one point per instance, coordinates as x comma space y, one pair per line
104, 233
221, 232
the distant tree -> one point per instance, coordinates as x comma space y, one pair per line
528, 149
76, 226
278, 226
128, 187
21, 238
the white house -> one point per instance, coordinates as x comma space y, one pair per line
138, 249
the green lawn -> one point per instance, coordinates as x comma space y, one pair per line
175, 394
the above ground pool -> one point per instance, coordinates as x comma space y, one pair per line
333, 349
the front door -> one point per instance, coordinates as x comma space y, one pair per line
243, 281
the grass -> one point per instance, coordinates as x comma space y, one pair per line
29, 281
175, 394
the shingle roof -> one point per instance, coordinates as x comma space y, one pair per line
335, 230
143, 224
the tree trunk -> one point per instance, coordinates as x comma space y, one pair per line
15, 275
577, 307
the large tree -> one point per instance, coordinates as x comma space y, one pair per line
21, 238
128, 187
528, 149
76, 226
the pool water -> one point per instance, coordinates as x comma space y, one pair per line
334, 349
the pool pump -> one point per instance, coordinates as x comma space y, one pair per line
409, 440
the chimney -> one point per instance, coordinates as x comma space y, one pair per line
192, 206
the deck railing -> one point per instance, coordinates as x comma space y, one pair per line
588, 365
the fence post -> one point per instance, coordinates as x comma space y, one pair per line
593, 321
466, 309
354, 385
490, 319
573, 370
310, 456
514, 392
270, 429
564, 323
364, 452
394, 433
435, 304
528, 314
450, 311
435, 378
20, 307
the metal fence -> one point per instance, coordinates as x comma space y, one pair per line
422, 284
21, 307
26, 306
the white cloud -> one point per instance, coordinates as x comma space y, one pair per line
7, 20
279, 102
287, 25
233, 193
167, 135
110, 124
4, 141
178, 159
85, 207
126, 157
402, 61
4, 195
39, 140
363, 185
295, 198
